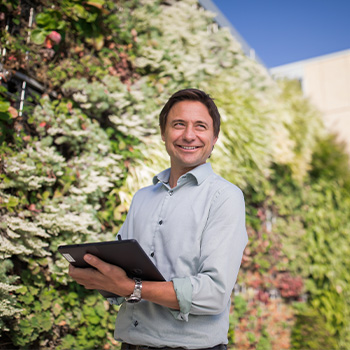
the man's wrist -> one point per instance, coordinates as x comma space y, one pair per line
130, 287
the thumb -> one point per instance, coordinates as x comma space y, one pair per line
92, 260
98, 264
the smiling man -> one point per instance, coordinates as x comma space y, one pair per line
189, 137
191, 222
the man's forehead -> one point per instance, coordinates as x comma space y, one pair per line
189, 107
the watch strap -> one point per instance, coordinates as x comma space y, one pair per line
136, 294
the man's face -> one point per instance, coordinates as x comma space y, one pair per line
189, 135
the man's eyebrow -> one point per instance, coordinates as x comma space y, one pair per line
199, 121
177, 120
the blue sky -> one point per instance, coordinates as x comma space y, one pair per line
285, 31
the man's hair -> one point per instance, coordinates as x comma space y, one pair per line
191, 95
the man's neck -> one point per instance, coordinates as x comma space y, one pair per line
176, 173
173, 179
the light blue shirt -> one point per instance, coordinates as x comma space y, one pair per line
195, 234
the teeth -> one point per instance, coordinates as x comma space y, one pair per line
184, 147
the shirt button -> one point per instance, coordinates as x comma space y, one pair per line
171, 193
160, 222
136, 323
152, 254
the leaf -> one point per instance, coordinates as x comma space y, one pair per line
57, 309
45, 301
97, 42
26, 298
61, 25
23, 290
5, 117
38, 36
93, 319
45, 322
13, 201
4, 106
80, 11
47, 20
100, 333
25, 327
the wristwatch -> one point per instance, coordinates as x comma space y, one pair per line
135, 297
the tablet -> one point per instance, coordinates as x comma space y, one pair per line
127, 254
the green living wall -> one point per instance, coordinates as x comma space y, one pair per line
72, 159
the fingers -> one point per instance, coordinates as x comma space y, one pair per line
103, 276
86, 276
71, 270
78, 273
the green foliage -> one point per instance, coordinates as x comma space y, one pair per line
7, 288
264, 342
92, 39
69, 167
239, 309
50, 196
70, 318
305, 128
244, 145
331, 162
6, 121
318, 212
328, 246
310, 332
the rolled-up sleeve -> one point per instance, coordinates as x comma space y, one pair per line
183, 290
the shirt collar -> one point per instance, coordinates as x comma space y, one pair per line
200, 173
162, 177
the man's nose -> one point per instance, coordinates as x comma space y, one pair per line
189, 134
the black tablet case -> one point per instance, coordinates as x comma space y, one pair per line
127, 254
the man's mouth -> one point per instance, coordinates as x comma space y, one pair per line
188, 147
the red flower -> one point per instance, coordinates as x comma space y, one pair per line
52, 39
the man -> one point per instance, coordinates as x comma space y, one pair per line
191, 222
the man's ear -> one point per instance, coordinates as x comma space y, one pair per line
163, 137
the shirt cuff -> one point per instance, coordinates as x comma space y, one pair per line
183, 290
116, 300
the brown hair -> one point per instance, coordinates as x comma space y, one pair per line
191, 95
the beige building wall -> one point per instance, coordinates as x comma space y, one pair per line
326, 81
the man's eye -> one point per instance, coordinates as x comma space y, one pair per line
202, 126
